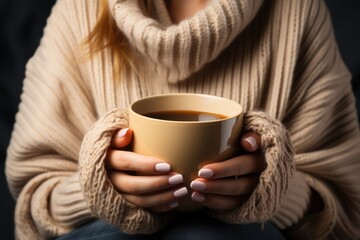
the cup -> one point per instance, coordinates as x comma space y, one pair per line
187, 131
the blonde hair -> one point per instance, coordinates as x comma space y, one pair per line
106, 34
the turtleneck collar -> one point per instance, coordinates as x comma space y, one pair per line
182, 49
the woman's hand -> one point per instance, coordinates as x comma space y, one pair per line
143, 181
223, 186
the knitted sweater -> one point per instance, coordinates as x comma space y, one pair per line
278, 59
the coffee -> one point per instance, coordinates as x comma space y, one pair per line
185, 115
202, 129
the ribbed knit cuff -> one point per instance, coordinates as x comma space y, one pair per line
295, 203
101, 197
32, 213
319, 224
267, 197
68, 207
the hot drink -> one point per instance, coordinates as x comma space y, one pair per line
185, 115
187, 131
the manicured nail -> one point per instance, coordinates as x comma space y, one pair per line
197, 197
122, 132
251, 141
173, 204
197, 185
162, 167
205, 173
181, 192
176, 179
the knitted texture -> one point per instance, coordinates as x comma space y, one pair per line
100, 195
292, 204
220, 22
278, 58
273, 183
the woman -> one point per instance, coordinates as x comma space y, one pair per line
67, 161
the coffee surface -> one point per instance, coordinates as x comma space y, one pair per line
185, 115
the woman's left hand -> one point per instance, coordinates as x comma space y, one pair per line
224, 186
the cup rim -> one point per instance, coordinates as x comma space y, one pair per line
238, 113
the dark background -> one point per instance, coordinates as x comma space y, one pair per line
21, 26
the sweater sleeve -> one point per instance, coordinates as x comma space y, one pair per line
54, 113
323, 125
102, 198
56, 188
274, 181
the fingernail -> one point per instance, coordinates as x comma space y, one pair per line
162, 167
176, 179
251, 141
197, 197
173, 204
122, 132
205, 173
197, 185
181, 192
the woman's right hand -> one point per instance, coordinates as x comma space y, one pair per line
144, 181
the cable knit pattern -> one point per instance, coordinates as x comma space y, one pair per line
101, 197
278, 59
279, 154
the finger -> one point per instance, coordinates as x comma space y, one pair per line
121, 138
166, 207
250, 142
230, 186
156, 199
241, 165
130, 161
126, 183
219, 203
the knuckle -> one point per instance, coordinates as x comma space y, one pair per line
136, 200
165, 198
160, 183
120, 160
169, 198
141, 202
114, 178
131, 188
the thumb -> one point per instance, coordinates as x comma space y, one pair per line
121, 138
250, 142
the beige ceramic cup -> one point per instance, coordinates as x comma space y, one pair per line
186, 145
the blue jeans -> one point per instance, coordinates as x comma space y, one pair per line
186, 228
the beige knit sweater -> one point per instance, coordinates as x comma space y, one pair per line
278, 59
